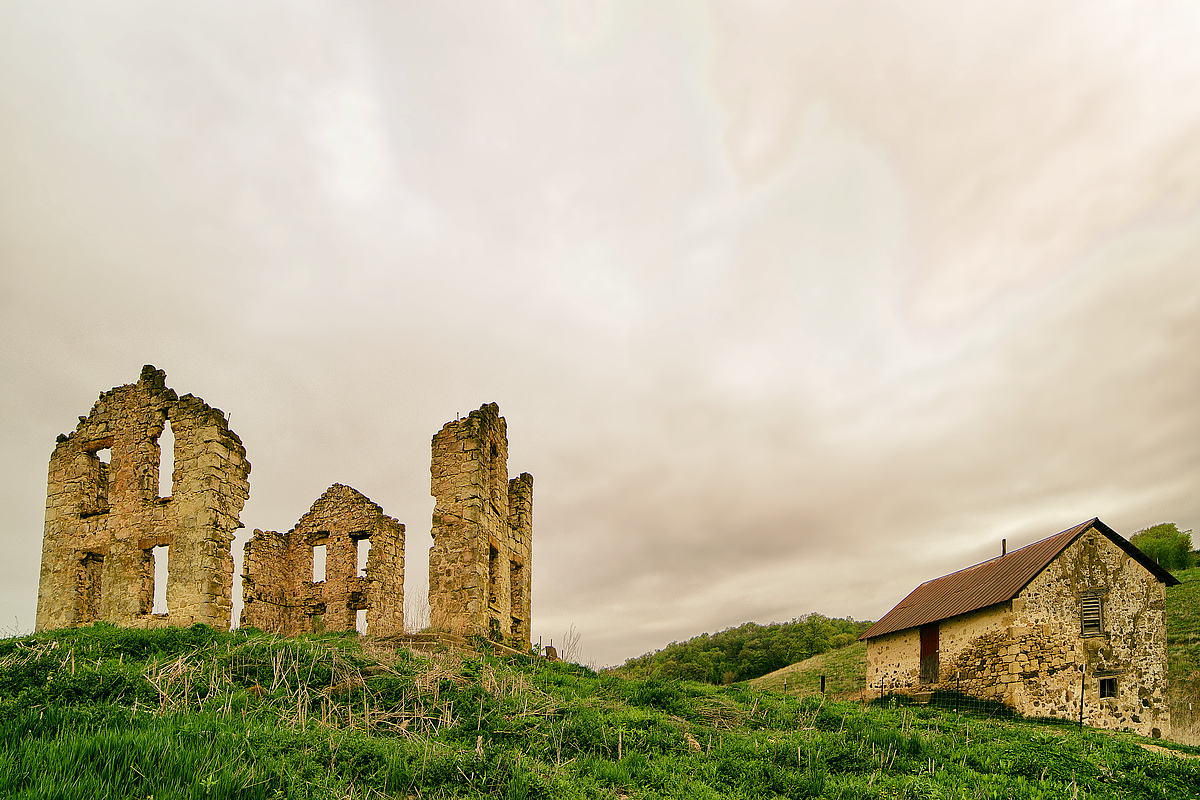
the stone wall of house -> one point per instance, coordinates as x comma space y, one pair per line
1132, 647
278, 587
104, 520
479, 565
1028, 652
894, 663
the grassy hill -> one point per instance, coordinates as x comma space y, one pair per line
196, 713
1183, 655
746, 652
845, 672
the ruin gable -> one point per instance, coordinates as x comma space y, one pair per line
106, 522
342, 560
480, 562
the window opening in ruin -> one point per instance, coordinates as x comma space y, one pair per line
1091, 617
87, 598
360, 621
1108, 687
160, 555
493, 577
166, 461
318, 557
929, 653
316, 617
362, 549
95, 483
516, 595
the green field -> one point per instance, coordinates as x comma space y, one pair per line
102, 712
1183, 655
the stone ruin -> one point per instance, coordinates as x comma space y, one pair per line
482, 527
343, 560
107, 526
106, 523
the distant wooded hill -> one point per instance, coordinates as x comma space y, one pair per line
747, 651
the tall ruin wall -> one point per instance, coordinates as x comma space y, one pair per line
105, 521
280, 586
480, 562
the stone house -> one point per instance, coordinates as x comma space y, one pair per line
1080, 611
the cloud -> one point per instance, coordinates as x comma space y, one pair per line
789, 307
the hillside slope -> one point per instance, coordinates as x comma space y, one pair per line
844, 670
195, 713
1183, 655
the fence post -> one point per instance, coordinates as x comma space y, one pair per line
822, 684
957, 690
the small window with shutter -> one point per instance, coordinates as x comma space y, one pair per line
1090, 617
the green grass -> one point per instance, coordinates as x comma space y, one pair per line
108, 713
845, 672
1183, 655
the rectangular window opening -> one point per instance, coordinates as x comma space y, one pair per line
95, 483
166, 461
318, 563
1091, 617
360, 621
87, 599
1108, 687
161, 556
362, 549
493, 577
516, 593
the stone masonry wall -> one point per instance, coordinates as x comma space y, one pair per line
103, 520
1027, 652
479, 565
280, 595
1131, 648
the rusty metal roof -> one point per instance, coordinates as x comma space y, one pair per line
995, 581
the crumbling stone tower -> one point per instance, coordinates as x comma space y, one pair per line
106, 523
280, 571
479, 565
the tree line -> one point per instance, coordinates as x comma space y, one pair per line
747, 651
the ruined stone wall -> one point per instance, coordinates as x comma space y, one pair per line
479, 565
279, 593
103, 520
1027, 652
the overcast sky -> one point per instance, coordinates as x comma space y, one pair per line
789, 306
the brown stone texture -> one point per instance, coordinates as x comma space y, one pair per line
480, 562
278, 590
1028, 652
103, 520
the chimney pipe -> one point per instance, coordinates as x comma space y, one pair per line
1003, 547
